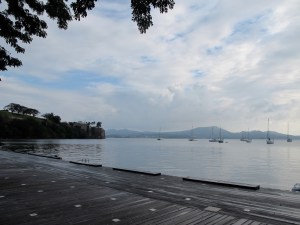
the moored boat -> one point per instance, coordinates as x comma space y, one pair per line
296, 187
192, 135
288, 138
213, 139
269, 141
221, 140
248, 139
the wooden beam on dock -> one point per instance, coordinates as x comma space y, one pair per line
223, 183
45, 156
86, 164
138, 171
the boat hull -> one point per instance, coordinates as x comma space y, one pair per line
296, 187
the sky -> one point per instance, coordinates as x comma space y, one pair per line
224, 63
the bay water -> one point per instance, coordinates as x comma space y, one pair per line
271, 166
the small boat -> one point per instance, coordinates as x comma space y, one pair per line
288, 138
243, 138
221, 140
269, 141
248, 140
212, 136
192, 135
159, 138
296, 187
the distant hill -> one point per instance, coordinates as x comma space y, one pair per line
197, 133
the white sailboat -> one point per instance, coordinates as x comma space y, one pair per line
221, 140
269, 141
288, 138
159, 138
192, 135
213, 139
243, 138
248, 140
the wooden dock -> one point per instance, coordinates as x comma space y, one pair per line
36, 191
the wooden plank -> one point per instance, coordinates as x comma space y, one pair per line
180, 218
202, 215
174, 216
86, 164
223, 220
137, 171
240, 222
159, 213
223, 183
169, 213
155, 208
213, 219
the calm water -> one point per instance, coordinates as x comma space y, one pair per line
274, 166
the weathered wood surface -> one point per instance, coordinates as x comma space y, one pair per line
36, 190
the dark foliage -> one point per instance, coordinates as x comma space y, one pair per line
17, 108
141, 11
20, 20
15, 127
52, 117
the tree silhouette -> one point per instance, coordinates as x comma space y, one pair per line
20, 20
52, 117
13, 107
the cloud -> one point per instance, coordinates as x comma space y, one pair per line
226, 63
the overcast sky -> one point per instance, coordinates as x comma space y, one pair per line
228, 63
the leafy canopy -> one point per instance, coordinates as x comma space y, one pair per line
20, 20
17, 108
51, 116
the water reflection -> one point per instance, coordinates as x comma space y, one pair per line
70, 150
275, 166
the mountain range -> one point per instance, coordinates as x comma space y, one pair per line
197, 133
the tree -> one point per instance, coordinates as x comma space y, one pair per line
20, 20
13, 107
52, 117
32, 112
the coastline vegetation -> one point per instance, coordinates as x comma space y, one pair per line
20, 122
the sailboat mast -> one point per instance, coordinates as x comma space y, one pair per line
288, 135
268, 130
248, 134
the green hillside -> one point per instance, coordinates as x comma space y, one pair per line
18, 126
